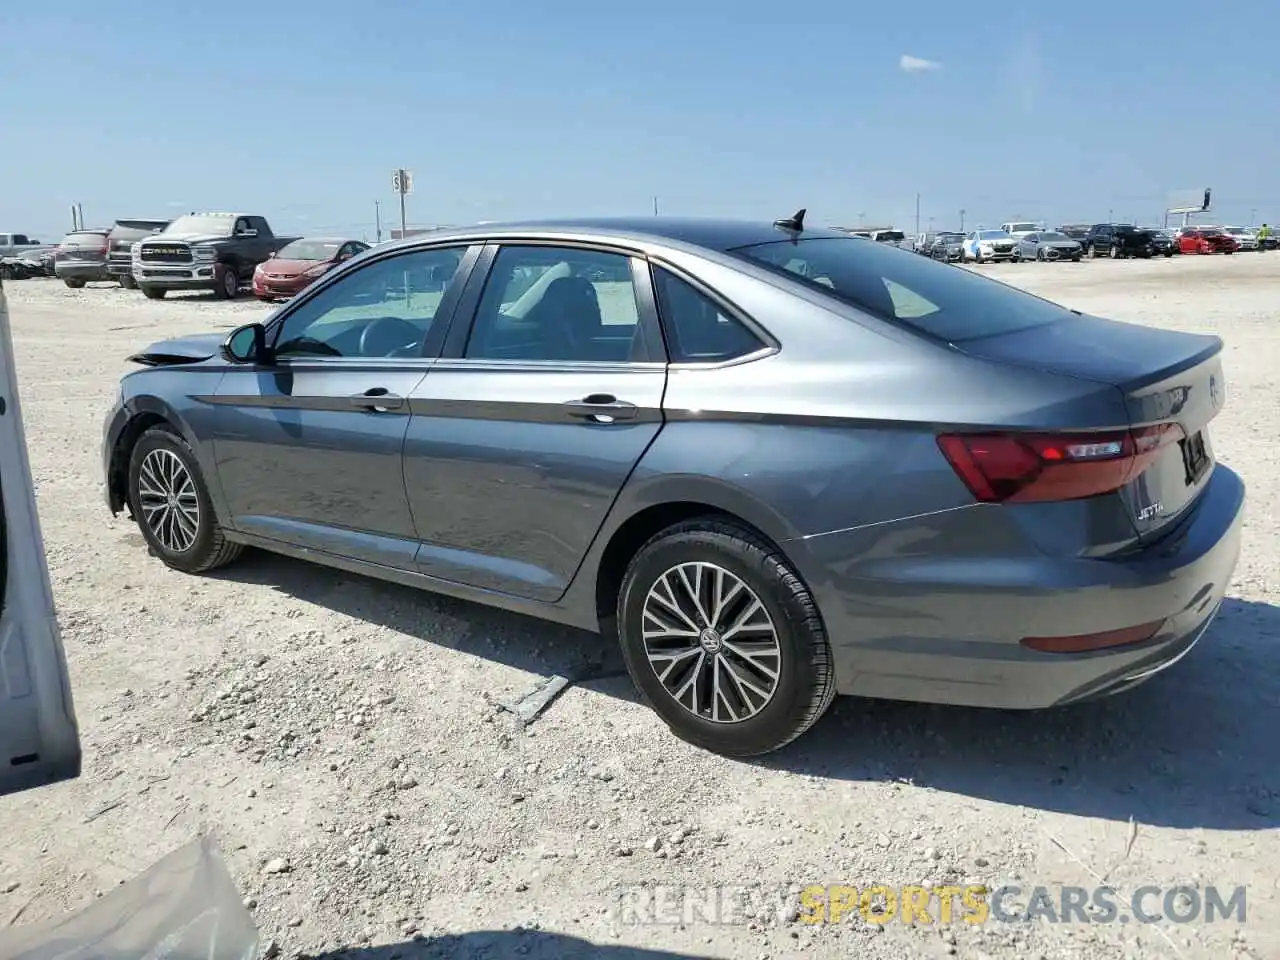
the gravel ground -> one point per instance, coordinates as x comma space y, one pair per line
339, 735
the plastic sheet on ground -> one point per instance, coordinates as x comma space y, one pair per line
182, 908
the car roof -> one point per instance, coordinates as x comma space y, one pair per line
713, 234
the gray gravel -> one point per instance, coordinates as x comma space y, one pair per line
343, 739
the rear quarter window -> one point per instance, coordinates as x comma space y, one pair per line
935, 299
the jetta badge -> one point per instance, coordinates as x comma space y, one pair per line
1215, 392
1147, 512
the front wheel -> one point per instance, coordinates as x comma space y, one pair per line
127, 281
228, 286
170, 502
154, 293
1168, 253
73, 283
723, 639
1092, 251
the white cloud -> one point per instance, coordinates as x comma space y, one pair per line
912, 64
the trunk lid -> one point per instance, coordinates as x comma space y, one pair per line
1164, 377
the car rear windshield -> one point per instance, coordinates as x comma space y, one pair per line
84, 238
212, 224
932, 298
140, 226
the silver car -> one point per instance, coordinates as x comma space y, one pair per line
774, 463
1047, 246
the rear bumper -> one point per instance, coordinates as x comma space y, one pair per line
947, 630
81, 271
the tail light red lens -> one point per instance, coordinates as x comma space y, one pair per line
1027, 467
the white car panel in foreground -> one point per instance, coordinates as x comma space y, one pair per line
39, 738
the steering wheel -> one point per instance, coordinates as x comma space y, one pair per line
387, 335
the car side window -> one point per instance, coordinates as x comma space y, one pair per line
559, 304
384, 309
696, 328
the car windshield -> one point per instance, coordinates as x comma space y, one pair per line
1236, 231
930, 297
1022, 227
207, 223
993, 235
1054, 237
951, 236
310, 250
891, 235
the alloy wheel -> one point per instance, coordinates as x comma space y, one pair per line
711, 642
167, 496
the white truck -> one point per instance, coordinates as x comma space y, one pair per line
1020, 228
22, 257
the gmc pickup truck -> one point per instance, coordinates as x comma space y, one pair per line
204, 251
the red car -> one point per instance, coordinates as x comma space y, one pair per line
300, 263
1206, 241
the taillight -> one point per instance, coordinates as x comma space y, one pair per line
1035, 467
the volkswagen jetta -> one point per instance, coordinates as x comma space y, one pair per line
774, 463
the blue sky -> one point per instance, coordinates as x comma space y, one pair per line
1062, 111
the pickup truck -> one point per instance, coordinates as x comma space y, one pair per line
204, 251
22, 257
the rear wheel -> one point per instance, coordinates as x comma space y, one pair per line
154, 293
170, 502
128, 282
723, 639
73, 283
1115, 251
1092, 251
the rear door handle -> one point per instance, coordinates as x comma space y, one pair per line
377, 398
602, 408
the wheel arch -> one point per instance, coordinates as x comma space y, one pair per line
663, 506
145, 411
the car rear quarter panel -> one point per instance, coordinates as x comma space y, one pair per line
828, 447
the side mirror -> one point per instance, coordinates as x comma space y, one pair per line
247, 344
271, 255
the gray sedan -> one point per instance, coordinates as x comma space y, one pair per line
1048, 246
774, 463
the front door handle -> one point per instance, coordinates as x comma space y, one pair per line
601, 408
377, 398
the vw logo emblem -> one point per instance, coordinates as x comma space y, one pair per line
1215, 393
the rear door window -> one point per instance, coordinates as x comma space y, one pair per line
931, 298
697, 329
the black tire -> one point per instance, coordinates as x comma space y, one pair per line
1168, 254
209, 548
1076, 258
73, 283
127, 281
1092, 252
805, 684
1040, 257
1114, 252
153, 293
6, 272
228, 285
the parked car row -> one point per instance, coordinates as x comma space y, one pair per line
1018, 241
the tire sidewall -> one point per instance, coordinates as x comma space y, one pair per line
791, 699
191, 558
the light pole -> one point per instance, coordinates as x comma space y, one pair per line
962, 219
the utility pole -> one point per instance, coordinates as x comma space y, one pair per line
80, 216
917, 214
377, 217
962, 219
655, 206
861, 217
1253, 216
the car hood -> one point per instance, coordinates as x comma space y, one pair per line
192, 349
183, 237
288, 268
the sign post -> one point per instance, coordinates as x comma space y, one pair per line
402, 183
